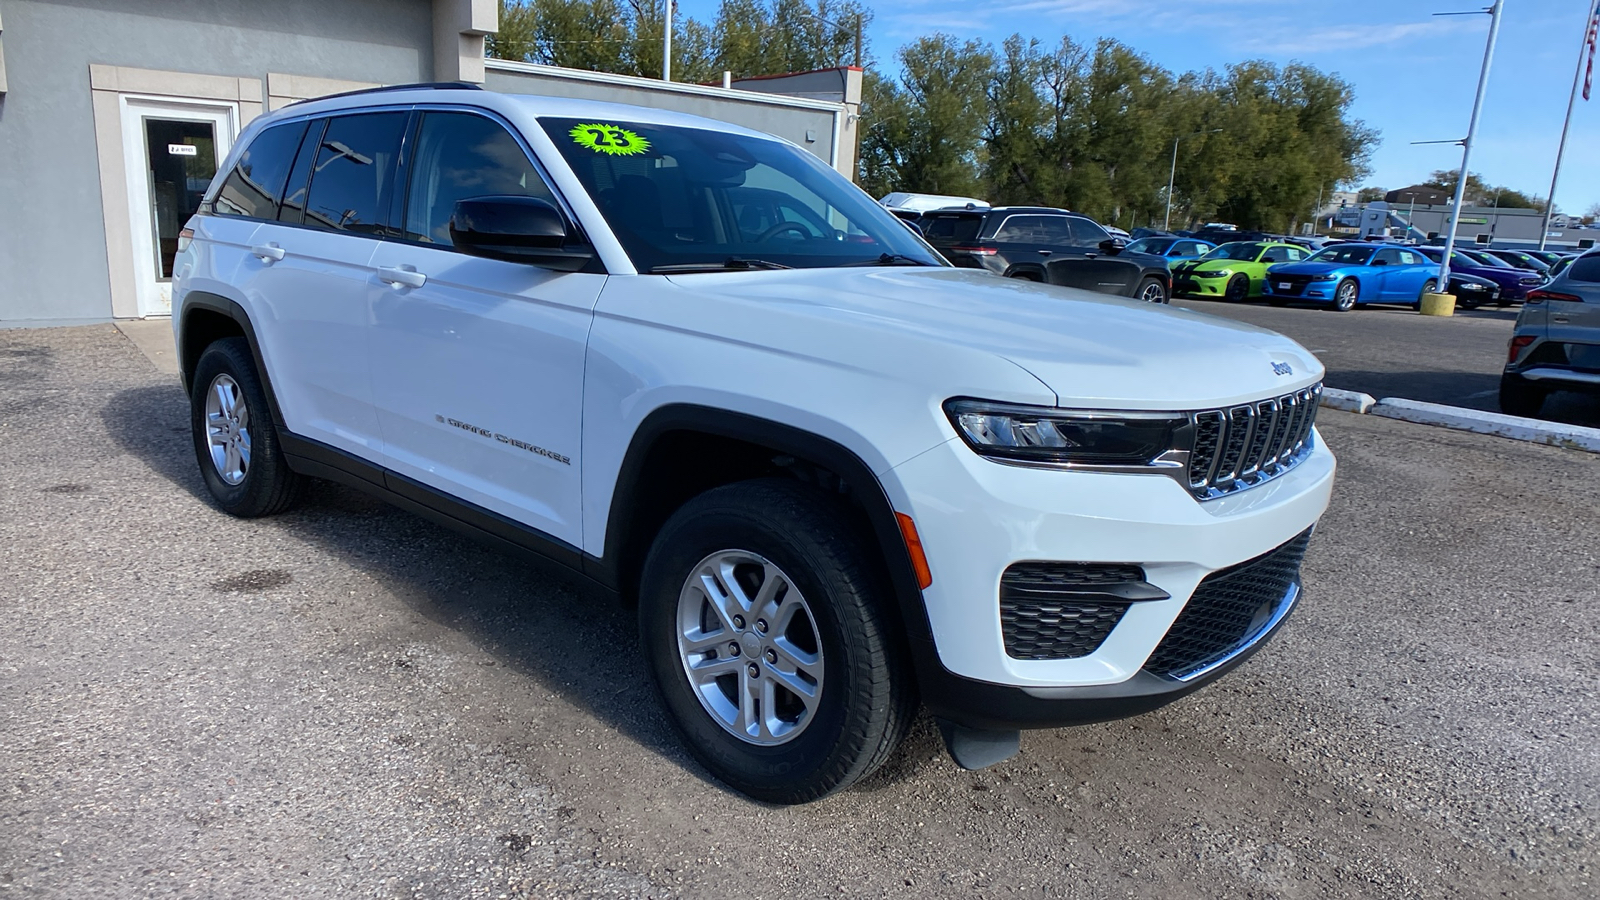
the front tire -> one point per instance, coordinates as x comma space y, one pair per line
1238, 289
1151, 290
234, 439
1346, 295
764, 627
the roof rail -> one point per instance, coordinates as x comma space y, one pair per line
420, 86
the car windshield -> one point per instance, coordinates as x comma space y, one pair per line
1343, 256
679, 198
1157, 246
1488, 259
1240, 250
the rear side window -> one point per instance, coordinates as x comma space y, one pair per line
461, 155
352, 180
1586, 268
954, 229
255, 186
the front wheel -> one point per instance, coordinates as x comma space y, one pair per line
234, 439
1238, 289
1345, 297
764, 627
1151, 290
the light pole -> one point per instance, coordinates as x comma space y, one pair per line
1561, 148
1466, 144
1172, 176
666, 42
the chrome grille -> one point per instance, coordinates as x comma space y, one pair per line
1244, 445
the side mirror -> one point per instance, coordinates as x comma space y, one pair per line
1112, 246
516, 229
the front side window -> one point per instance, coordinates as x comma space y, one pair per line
1243, 251
459, 156
1388, 257
1343, 256
255, 186
1275, 255
1087, 233
678, 197
353, 176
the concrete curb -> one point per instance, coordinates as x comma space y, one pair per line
1571, 437
1349, 401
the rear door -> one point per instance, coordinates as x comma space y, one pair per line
1089, 267
477, 364
1026, 241
309, 277
1576, 324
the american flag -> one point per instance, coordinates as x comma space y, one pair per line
1588, 72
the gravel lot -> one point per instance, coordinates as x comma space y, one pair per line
1390, 351
347, 701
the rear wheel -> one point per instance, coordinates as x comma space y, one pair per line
234, 439
1151, 290
1238, 289
1428, 287
1519, 398
763, 625
1345, 297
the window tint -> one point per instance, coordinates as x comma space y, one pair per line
1275, 255
1296, 254
293, 207
1022, 230
353, 177
461, 155
951, 228
1387, 256
1585, 268
1087, 233
255, 186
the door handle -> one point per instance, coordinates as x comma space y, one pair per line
402, 277
1559, 320
1044, 252
267, 252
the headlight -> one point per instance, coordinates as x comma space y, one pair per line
1328, 277
1214, 273
1045, 435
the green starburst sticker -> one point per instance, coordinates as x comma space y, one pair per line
611, 139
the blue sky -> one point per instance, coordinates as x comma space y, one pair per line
1414, 74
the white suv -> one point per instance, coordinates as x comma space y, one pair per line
697, 368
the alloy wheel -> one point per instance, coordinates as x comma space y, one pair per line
228, 429
750, 647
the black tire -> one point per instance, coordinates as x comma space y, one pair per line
866, 700
268, 486
1151, 290
1465, 300
1519, 398
1428, 287
1238, 289
1346, 300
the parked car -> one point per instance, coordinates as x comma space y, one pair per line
1549, 257
1514, 283
1349, 275
1561, 265
833, 474
921, 203
1039, 243
1172, 247
1555, 345
1471, 291
1233, 271
1519, 259
1229, 235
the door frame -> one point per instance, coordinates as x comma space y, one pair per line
107, 85
153, 295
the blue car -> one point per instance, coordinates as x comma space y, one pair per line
1171, 246
1351, 275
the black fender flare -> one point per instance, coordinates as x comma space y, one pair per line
203, 300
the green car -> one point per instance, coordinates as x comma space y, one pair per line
1233, 271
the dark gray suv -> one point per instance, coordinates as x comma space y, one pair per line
1556, 344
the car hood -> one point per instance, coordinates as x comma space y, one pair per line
1090, 349
1311, 268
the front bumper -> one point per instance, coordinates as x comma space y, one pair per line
977, 517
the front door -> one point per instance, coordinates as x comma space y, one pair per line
172, 149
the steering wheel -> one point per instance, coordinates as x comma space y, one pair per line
781, 227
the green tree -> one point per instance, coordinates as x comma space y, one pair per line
1370, 194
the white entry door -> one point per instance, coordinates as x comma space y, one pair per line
172, 148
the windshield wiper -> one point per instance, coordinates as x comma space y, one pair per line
892, 259
733, 262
